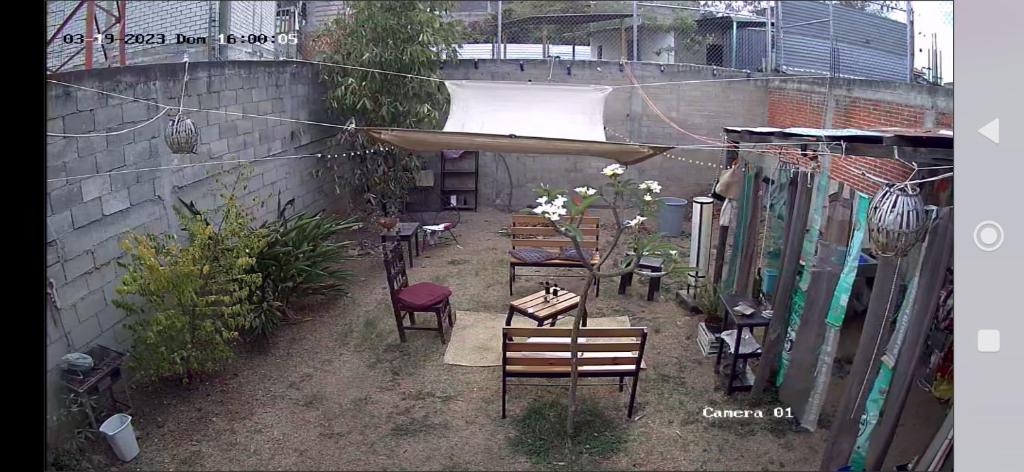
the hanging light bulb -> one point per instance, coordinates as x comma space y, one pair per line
897, 220
182, 135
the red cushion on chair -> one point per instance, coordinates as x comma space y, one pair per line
423, 295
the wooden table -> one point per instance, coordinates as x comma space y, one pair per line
101, 378
740, 322
409, 233
537, 309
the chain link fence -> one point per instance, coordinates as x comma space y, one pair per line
882, 40
854, 39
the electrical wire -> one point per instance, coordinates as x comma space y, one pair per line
179, 166
133, 128
551, 60
367, 69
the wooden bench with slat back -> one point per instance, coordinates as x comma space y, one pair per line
546, 353
535, 231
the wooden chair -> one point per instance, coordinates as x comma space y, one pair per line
422, 297
604, 352
534, 231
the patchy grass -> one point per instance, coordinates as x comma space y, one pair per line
540, 434
418, 425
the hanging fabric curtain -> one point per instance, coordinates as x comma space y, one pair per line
524, 118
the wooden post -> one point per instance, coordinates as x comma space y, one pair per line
936, 257
873, 337
90, 17
796, 230
732, 154
747, 263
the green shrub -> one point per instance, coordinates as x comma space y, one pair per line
188, 303
300, 259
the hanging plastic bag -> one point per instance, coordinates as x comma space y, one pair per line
730, 183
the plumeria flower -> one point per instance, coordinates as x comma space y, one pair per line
613, 169
552, 212
585, 191
559, 201
648, 197
651, 186
635, 221
542, 200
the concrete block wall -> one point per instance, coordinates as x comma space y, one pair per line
700, 108
861, 104
87, 217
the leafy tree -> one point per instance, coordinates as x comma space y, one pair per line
405, 37
188, 303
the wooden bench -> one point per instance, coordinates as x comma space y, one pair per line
535, 231
545, 353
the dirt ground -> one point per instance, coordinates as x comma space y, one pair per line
339, 391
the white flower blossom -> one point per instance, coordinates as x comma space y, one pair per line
550, 211
635, 221
559, 201
585, 191
613, 169
542, 200
648, 197
651, 185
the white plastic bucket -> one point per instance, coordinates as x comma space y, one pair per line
121, 436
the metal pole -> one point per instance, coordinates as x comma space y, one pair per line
500, 48
733, 43
778, 62
831, 42
121, 18
636, 20
910, 41
90, 15
768, 39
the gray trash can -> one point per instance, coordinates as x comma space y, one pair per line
671, 215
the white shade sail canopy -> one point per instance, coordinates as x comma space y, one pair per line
527, 118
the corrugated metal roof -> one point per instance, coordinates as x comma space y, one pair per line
922, 137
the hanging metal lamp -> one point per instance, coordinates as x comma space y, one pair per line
897, 220
182, 135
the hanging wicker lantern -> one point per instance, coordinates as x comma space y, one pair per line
897, 220
182, 135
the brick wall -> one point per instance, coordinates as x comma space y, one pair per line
862, 104
87, 217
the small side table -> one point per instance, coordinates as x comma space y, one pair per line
537, 309
105, 372
647, 264
408, 233
740, 322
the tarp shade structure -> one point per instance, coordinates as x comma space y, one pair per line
524, 118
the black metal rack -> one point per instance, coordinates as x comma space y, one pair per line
461, 177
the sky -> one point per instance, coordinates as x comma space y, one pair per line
933, 17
